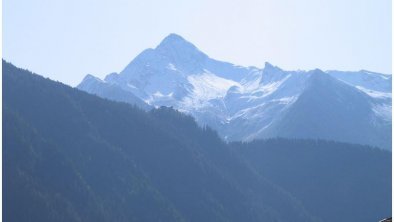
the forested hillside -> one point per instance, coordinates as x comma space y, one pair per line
71, 156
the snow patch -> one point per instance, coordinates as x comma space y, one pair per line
286, 100
383, 111
171, 66
131, 86
209, 86
267, 89
373, 93
159, 94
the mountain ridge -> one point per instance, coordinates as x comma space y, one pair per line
226, 97
72, 149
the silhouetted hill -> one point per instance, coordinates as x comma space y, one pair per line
72, 156
337, 181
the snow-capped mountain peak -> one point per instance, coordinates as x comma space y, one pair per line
181, 54
246, 103
174, 42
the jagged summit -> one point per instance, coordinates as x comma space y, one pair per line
172, 39
176, 47
268, 67
175, 41
111, 77
90, 77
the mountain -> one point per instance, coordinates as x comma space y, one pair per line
71, 156
112, 92
345, 115
322, 174
248, 103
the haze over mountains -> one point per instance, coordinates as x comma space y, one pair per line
72, 156
248, 103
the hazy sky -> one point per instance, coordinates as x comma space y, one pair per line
66, 39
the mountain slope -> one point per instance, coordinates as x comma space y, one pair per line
108, 91
246, 103
329, 178
56, 165
71, 156
345, 115
365, 79
42, 183
69, 149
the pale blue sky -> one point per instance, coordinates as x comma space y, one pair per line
66, 39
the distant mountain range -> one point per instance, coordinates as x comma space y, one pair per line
248, 103
71, 156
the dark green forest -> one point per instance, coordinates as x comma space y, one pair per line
71, 156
